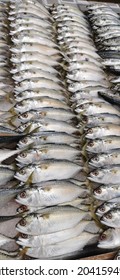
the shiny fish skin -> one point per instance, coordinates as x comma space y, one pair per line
111, 218
31, 65
38, 103
103, 131
105, 159
65, 247
50, 151
97, 108
57, 218
105, 207
6, 174
43, 92
51, 193
48, 169
107, 192
110, 239
48, 125
101, 120
56, 237
48, 138
106, 175
104, 145
23, 75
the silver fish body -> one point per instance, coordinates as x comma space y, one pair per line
48, 169
106, 175
103, 146
107, 192
105, 159
110, 238
112, 218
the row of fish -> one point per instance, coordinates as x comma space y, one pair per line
66, 131
105, 24
52, 201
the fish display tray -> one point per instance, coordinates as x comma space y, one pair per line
82, 5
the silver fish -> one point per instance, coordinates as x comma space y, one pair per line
99, 120
103, 146
112, 218
103, 131
48, 112
51, 193
31, 65
6, 174
107, 192
33, 84
7, 195
53, 238
27, 74
65, 247
50, 151
106, 175
33, 56
105, 159
38, 103
48, 169
42, 46
54, 220
105, 207
42, 125
97, 108
80, 75
110, 239
73, 87
47, 138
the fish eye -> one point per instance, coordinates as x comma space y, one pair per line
84, 118
23, 194
103, 236
25, 140
23, 235
22, 208
72, 85
22, 172
96, 158
98, 190
108, 216
25, 115
96, 173
102, 208
23, 155
90, 130
22, 222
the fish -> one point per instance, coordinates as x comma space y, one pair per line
103, 145
31, 65
106, 175
51, 193
103, 131
99, 120
105, 207
26, 3
28, 74
39, 44
113, 98
48, 170
50, 151
29, 28
33, 56
29, 20
40, 102
54, 220
36, 83
74, 87
48, 138
54, 238
80, 75
42, 125
109, 239
46, 112
65, 247
105, 159
111, 218
106, 192
97, 108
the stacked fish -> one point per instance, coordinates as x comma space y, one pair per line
56, 220
105, 24
99, 119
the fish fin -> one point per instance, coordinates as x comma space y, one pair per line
12, 111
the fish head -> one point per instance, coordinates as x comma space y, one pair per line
103, 208
25, 157
107, 239
24, 197
24, 174
24, 224
100, 192
26, 116
22, 209
96, 174
26, 141
22, 239
111, 217
96, 160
